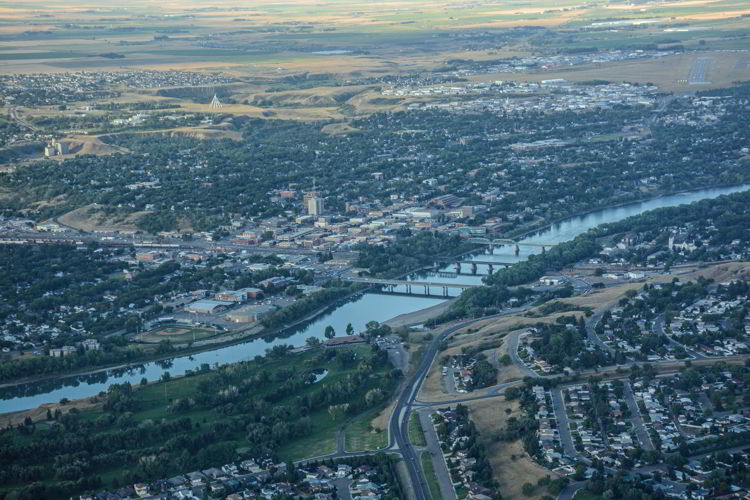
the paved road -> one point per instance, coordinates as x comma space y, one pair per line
699, 71
563, 425
659, 330
342, 488
399, 424
449, 381
433, 447
513, 353
591, 331
570, 490
340, 440
640, 428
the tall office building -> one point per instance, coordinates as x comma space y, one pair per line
314, 204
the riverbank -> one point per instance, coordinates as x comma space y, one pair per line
528, 232
39, 413
246, 346
235, 337
419, 317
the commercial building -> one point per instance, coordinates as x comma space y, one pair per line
208, 306
239, 295
62, 351
276, 282
249, 314
314, 203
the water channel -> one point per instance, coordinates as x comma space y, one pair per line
368, 307
557, 233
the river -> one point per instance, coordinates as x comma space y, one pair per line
368, 307
567, 230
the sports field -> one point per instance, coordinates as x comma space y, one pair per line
176, 334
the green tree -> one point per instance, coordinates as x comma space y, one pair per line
527, 489
329, 332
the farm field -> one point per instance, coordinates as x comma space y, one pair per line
338, 37
305, 61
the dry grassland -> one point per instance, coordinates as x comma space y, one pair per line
39, 414
511, 466
380, 422
668, 73
88, 218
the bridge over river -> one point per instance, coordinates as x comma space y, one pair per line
391, 285
499, 242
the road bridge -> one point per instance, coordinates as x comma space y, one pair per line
391, 284
499, 242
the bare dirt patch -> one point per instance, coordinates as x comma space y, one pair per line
40, 414
90, 218
380, 422
511, 466
338, 129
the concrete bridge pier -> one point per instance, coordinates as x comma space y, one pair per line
490, 268
473, 268
445, 291
408, 289
427, 289
458, 268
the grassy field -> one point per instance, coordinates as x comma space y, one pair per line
360, 436
429, 472
321, 441
152, 403
508, 460
416, 432
274, 48
387, 36
176, 334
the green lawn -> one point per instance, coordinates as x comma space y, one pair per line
152, 403
462, 492
178, 334
360, 436
429, 472
321, 441
416, 432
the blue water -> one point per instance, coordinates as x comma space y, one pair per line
366, 308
